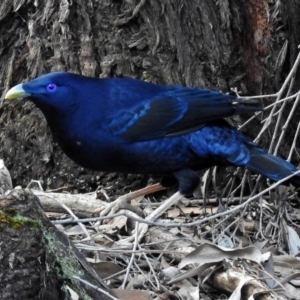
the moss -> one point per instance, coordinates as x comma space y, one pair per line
67, 265
15, 220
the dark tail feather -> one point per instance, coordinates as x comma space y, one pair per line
272, 166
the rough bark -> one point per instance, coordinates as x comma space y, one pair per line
213, 44
38, 261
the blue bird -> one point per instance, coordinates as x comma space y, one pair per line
130, 126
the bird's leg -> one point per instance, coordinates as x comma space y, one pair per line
123, 201
164, 206
143, 228
188, 182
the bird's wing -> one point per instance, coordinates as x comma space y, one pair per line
173, 113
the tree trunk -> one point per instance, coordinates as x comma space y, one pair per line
249, 45
38, 261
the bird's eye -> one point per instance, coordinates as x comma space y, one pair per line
51, 87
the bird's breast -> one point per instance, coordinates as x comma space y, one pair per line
107, 153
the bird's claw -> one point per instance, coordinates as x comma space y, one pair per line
118, 204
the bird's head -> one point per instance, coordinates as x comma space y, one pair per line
50, 92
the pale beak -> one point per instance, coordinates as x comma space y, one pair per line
16, 92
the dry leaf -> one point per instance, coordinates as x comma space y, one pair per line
208, 253
132, 294
106, 268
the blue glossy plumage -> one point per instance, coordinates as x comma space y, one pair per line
126, 125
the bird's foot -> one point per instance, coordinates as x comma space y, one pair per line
143, 228
123, 202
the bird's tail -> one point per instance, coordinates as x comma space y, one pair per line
272, 166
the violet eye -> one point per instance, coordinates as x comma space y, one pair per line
51, 87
